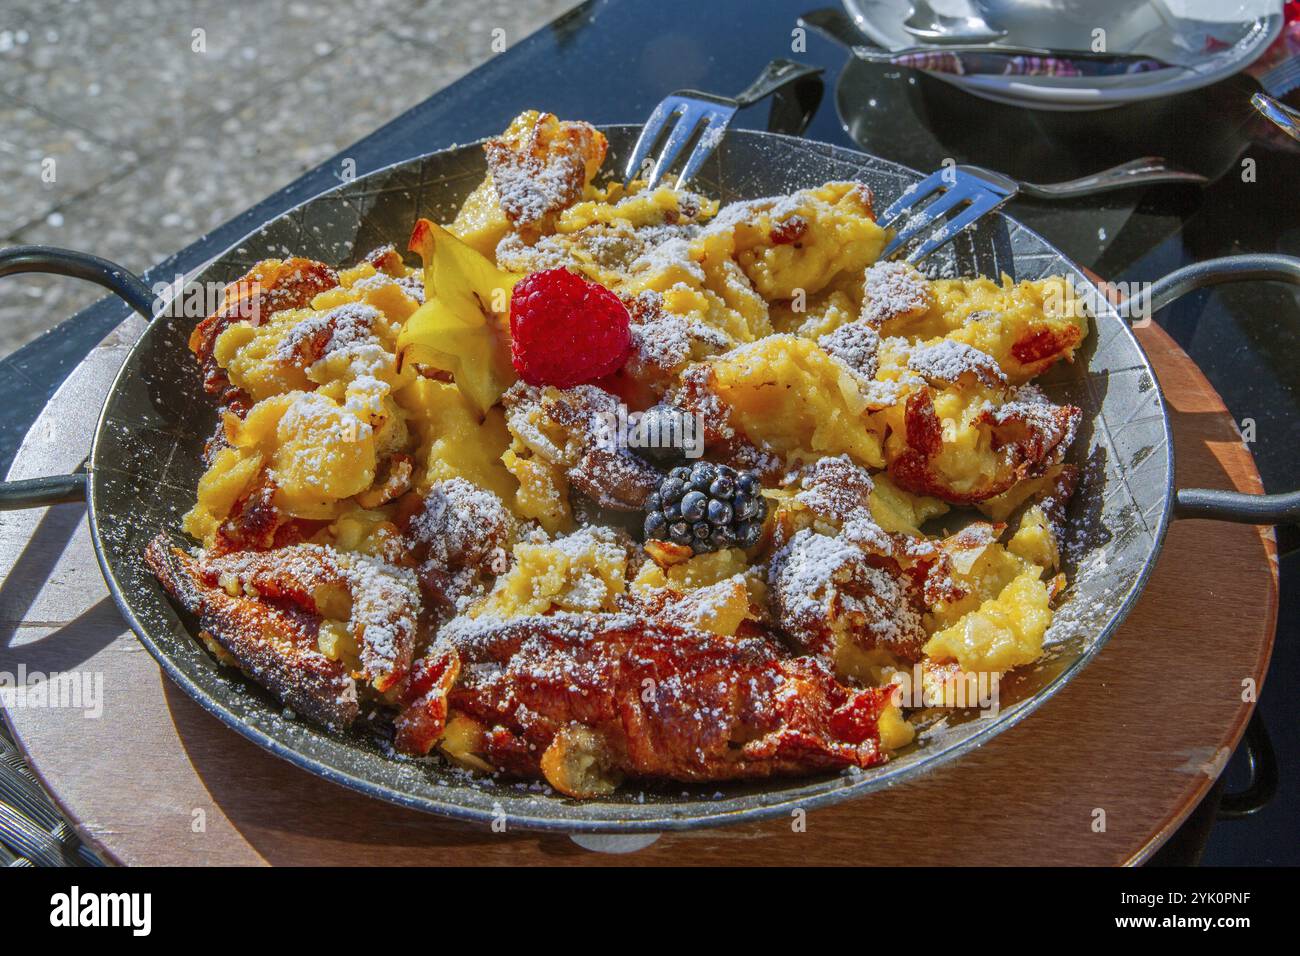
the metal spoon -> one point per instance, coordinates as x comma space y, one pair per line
928, 24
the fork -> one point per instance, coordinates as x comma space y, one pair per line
683, 113
1143, 171
974, 191
983, 190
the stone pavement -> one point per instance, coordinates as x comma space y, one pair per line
128, 128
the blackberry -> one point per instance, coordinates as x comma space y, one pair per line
707, 507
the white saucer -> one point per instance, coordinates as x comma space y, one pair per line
1171, 30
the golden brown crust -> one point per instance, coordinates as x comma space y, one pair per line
1026, 435
379, 602
256, 524
596, 463
458, 536
1043, 347
661, 701
267, 609
540, 170
423, 717
275, 644
270, 286
825, 590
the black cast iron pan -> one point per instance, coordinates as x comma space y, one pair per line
145, 465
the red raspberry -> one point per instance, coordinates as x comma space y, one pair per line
565, 330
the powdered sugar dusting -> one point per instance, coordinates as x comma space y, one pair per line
891, 290
947, 361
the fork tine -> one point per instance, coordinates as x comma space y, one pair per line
650, 134
925, 218
678, 137
715, 125
916, 194
982, 204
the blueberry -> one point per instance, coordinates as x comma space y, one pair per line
702, 530
748, 533
672, 510
679, 533
658, 427
671, 488
747, 482
722, 487
694, 504
681, 473
653, 503
744, 506
719, 513
722, 538
655, 523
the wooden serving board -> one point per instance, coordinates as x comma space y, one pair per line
1139, 736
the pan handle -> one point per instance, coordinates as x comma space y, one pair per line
1207, 502
63, 489
80, 265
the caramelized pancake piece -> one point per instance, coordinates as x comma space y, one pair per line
831, 598
1018, 440
856, 344
378, 601
271, 286
362, 607
945, 362
894, 292
585, 699
319, 334
1025, 326
540, 167
571, 431
254, 523
1039, 349
604, 471
274, 643
423, 718
838, 500
460, 535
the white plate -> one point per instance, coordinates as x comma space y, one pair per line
1172, 30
